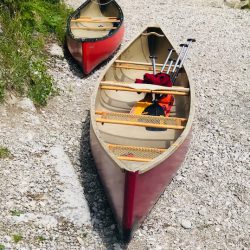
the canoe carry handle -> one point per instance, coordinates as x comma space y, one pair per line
96, 2
152, 33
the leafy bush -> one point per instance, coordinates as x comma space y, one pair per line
26, 25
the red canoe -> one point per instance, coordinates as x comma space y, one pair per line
94, 32
136, 164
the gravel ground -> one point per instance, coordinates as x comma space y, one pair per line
207, 204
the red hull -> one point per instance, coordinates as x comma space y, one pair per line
93, 53
132, 195
90, 52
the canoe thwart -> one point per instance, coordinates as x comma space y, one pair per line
138, 63
94, 28
94, 21
135, 67
140, 120
134, 153
122, 84
164, 92
98, 17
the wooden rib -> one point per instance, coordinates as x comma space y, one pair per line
156, 150
93, 28
98, 112
180, 93
126, 158
140, 124
152, 33
175, 88
94, 21
138, 63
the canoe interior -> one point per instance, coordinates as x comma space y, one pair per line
95, 11
122, 102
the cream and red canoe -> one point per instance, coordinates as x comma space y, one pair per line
136, 165
94, 32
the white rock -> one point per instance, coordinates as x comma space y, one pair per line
117, 246
26, 104
202, 211
38, 219
56, 50
75, 207
80, 240
186, 224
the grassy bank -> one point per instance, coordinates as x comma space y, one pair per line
26, 26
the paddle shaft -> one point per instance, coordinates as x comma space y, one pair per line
183, 46
166, 61
175, 73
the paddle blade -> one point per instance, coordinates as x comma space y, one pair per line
154, 110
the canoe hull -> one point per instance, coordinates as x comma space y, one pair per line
91, 50
90, 54
133, 194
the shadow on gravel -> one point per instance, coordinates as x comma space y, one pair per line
76, 69
101, 214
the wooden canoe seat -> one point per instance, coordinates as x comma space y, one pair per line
133, 153
140, 120
138, 90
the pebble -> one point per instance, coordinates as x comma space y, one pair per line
186, 224
202, 211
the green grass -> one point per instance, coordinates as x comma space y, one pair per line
2, 247
41, 238
16, 212
27, 26
17, 237
4, 152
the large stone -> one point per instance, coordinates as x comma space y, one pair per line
26, 104
56, 50
239, 4
75, 207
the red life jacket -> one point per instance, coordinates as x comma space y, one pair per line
166, 102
